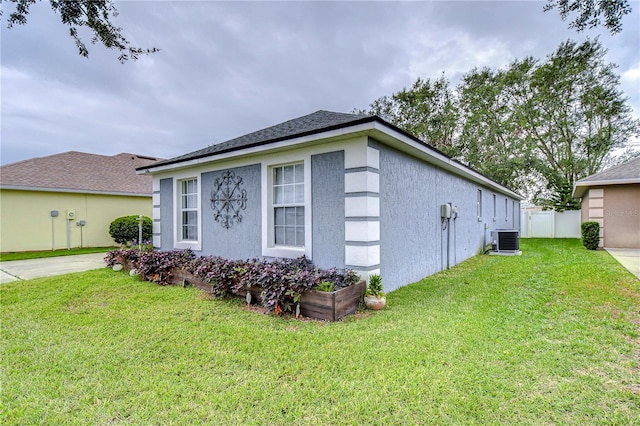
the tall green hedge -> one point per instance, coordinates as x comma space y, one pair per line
124, 230
591, 235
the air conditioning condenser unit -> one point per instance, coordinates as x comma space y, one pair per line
505, 242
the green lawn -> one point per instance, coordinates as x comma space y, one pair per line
550, 337
23, 255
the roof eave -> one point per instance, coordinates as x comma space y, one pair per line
372, 126
582, 185
72, 191
150, 168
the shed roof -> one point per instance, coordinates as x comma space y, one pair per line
625, 173
80, 172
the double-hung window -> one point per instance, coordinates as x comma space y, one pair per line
479, 205
188, 212
288, 205
495, 208
506, 209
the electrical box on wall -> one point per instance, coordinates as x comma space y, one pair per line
54, 213
71, 214
445, 211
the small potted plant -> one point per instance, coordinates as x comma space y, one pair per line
374, 297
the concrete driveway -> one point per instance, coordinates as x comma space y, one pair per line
35, 268
629, 258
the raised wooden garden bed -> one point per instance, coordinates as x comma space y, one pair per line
331, 306
328, 306
183, 278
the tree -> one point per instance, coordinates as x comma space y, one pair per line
427, 110
491, 137
96, 15
592, 12
535, 126
574, 116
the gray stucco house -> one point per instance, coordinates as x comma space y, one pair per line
345, 190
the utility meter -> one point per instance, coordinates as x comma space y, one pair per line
445, 211
71, 214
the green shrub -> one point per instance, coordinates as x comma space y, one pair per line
591, 235
124, 230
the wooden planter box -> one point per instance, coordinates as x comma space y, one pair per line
183, 278
256, 294
331, 306
127, 265
314, 304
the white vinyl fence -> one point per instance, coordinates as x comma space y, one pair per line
550, 224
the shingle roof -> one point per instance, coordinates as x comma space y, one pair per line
625, 173
319, 121
79, 172
627, 170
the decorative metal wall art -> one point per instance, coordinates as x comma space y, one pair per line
228, 199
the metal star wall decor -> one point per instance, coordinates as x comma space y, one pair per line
228, 199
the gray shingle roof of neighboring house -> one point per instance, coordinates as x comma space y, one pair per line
319, 121
80, 172
625, 173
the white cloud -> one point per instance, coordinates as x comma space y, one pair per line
632, 76
228, 68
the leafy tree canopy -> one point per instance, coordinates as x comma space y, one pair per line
591, 13
535, 126
96, 15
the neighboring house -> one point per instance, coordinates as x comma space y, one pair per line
612, 198
87, 191
344, 190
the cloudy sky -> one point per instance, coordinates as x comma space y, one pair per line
229, 68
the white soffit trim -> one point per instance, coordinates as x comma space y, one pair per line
581, 187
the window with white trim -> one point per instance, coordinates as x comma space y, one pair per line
506, 209
188, 211
288, 205
479, 204
495, 208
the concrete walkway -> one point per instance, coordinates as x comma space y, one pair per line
629, 258
35, 268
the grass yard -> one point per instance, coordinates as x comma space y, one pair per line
23, 255
550, 337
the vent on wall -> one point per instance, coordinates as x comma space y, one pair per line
505, 241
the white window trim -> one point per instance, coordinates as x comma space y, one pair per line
479, 196
269, 248
495, 207
506, 209
178, 243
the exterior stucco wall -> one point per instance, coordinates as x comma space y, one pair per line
413, 237
622, 216
244, 240
26, 223
327, 174
592, 209
241, 240
584, 207
372, 209
166, 214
